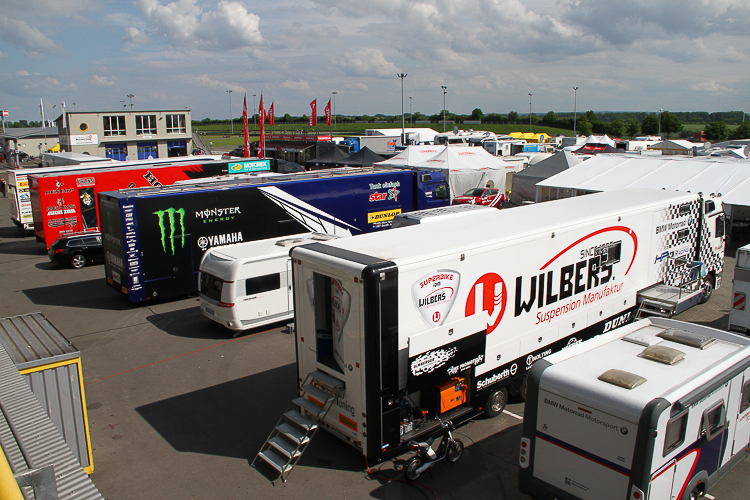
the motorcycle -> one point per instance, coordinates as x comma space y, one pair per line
449, 449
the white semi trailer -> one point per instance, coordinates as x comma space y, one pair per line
448, 317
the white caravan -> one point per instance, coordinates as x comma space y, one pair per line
248, 285
468, 304
655, 410
739, 313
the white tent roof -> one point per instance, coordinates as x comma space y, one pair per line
608, 172
466, 158
412, 155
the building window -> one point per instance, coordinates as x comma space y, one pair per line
116, 151
145, 124
175, 124
114, 125
147, 150
176, 148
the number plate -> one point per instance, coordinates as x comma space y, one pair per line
210, 311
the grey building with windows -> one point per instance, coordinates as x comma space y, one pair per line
123, 135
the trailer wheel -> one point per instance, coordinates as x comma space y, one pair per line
412, 468
78, 261
496, 402
708, 289
522, 388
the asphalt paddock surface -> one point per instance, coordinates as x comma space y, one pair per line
178, 407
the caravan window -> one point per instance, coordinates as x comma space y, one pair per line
714, 420
745, 403
261, 284
675, 435
211, 286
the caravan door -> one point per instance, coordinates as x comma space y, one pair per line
742, 426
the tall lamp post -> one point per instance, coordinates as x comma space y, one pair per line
130, 96
445, 91
402, 76
529, 112
575, 99
410, 115
334, 107
231, 120
660, 112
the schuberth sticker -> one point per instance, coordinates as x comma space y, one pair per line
434, 295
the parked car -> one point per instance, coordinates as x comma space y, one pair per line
77, 250
488, 197
238, 151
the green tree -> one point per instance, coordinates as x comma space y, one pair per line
616, 128
650, 124
717, 132
550, 118
591, 117
513, 117
742, 132
633, 127
477, 114
670, 123
584, 126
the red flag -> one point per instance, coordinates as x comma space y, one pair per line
244, 119
313, 121
270, 115
328, 113
262, 117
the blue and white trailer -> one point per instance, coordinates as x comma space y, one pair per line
658, 409
154, 238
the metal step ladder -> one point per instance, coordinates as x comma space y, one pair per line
297, 426
649, 308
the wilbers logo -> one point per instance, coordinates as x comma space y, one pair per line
434, 295
490, 294
170, 217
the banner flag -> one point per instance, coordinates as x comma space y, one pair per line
41, 109
244, 119
313, 121
262, 118
328, 113
270, 115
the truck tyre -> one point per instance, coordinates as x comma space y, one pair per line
412, 468
78, 261
522, 388
455, 450
496, 402
708, 289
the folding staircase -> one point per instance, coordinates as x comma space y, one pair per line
297, 426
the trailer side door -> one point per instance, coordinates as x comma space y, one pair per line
742, 412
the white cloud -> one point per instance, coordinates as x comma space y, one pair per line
357, 87
33, 42
300, 85
103, 81
133, 34
366, 62
710, 86
3, 54
187, 26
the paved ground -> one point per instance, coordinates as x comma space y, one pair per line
177, 407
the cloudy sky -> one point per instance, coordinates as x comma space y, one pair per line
639, 55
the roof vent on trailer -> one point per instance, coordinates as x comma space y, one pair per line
662, 354
621, 378
289, 242
323, 237
687, 338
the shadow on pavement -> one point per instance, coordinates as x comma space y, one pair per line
12, 244
233, 419
91, 294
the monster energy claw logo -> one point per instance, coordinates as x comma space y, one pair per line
170, 212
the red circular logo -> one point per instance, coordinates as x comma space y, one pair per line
488, 294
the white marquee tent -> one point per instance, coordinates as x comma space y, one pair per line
412, 155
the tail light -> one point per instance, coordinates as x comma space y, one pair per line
56, 250
413, 446
225, 304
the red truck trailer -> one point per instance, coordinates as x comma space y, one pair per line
65, 202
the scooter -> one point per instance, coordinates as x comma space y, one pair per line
450, 449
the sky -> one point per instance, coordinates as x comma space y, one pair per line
628, 55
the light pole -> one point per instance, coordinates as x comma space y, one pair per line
402, 76
130, 96
445, 91
231, 120
529, 112
334, 107
254, 126
410, 115
575, 98
123, 104
660, 112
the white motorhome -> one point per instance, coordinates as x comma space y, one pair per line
655, 410
464, 137
418, 311
248, 285
739, 313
